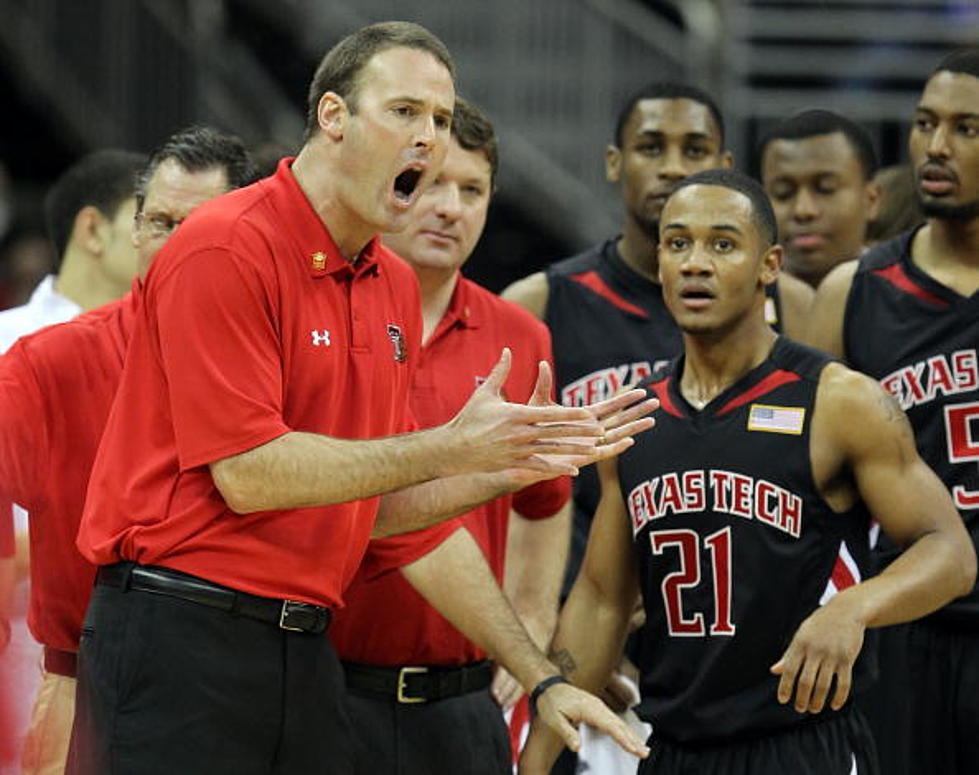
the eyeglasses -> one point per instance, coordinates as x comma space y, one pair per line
156, 224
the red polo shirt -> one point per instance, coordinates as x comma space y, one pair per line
6, 529
56, 387
252, 325
386, 621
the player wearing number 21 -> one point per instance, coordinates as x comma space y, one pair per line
742, 518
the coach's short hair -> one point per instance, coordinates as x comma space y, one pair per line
667, 90
963, 60
102, 179
340, 69
199, 148
473, 130
812, 123
761, 207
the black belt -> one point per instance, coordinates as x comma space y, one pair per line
286, 614
409, 685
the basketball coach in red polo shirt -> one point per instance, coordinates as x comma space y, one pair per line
254, 432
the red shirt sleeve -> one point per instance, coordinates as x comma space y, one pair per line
7, 545
221, 354
23, 436
387, 554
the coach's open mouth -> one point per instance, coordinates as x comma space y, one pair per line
406, 183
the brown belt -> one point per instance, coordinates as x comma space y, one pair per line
60, 662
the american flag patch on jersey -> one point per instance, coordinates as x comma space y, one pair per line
776, 419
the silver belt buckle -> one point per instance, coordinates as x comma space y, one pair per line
284, 613
402, 681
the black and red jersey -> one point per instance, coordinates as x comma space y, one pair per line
920, 340
735, 546
609, 327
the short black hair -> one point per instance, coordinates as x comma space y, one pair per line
102, 179
963, 60
339, 70
199, 148
473, 130
667, 90
813, 123
761, 207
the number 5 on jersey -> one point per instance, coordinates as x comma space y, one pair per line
687, 543
962, 447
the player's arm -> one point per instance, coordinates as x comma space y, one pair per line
913, 507
456, 579
536, 554
530, 293
825, 327
796, 298
594, 622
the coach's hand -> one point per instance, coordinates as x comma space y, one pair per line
563, 707
823, 650
490, 434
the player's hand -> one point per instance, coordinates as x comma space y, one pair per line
490, 434
563, 707
821, 653
506, 690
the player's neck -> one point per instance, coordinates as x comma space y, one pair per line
713, 362
949, 251
85, 284
437, 287
638, 251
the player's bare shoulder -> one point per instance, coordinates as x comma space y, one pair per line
530, 293
796, 297
824, 330
857, 413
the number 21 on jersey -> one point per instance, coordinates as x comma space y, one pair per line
688, 544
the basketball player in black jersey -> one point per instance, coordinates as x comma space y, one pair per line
604, 307
907, 314
733, 516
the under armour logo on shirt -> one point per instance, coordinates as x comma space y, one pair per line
320, 338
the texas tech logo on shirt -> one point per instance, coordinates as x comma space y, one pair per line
398, 341
724, 492
921, 382
605, 383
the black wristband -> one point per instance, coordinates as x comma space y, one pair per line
542, 687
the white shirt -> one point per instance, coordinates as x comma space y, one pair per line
45, 308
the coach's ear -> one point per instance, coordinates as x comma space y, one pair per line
727, 160
331, 113
613, 163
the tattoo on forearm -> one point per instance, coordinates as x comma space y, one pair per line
564, 661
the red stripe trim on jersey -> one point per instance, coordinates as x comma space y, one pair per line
772, 381
842, 578
662, 391
897, 277
593, 281
519, 721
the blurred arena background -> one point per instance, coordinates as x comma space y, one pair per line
551, 73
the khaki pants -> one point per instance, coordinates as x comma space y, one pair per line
46, 744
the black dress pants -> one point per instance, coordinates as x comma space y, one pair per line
170, 686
